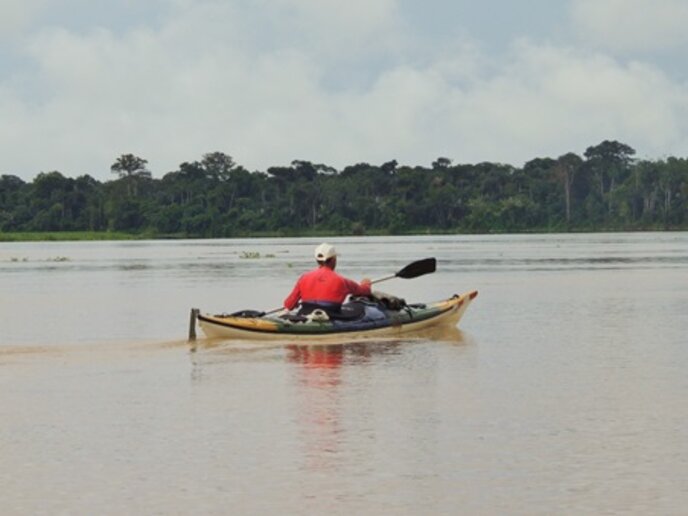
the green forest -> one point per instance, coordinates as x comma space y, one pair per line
604, 189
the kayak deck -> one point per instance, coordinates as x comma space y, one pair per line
377, 323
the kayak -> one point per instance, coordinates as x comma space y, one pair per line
373, 319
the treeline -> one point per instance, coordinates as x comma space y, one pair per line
605, 189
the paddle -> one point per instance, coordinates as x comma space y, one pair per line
412, 270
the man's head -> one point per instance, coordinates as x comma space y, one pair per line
326, 254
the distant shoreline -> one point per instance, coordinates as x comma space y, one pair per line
83, 236
65, 236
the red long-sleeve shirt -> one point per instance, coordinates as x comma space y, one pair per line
323, 284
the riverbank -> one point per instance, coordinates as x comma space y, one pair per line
65, 236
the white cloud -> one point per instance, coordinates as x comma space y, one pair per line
546, 102
16, 15
204, 81
632, 25
552, 100
195, 85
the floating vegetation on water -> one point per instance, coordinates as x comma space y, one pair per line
16, 259
254, 255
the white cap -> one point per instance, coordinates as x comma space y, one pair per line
324, 252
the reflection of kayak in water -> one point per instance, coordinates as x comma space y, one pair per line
359, 319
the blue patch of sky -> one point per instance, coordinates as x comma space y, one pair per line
23, 75
495, 24
436, 27
119, 17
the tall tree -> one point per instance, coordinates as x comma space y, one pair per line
12, 190
218, 165
565, 170
610, 162
131, 169
441, 163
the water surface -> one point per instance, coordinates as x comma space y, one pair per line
564, 392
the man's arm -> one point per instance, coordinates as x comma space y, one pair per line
293, 298
356, 289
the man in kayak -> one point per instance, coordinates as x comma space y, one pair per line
322, 287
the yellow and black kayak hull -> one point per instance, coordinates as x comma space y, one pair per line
391, 324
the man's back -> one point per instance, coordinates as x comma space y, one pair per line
323, 285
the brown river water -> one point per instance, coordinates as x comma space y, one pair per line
563, 392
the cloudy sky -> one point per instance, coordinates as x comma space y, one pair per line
336, 82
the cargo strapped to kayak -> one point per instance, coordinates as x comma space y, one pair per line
244, 313
335, 312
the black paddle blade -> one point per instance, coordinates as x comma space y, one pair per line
415, 269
